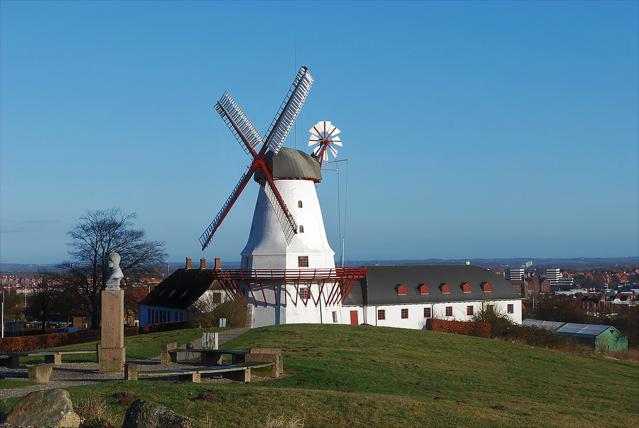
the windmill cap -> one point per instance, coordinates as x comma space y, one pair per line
291, 164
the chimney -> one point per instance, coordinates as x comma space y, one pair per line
202, 263
218, 263
189, 265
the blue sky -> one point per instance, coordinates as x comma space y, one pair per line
472, 130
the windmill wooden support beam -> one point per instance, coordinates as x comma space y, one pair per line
246, 282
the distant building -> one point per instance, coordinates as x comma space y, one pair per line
598, 336
516, 274
559, 280
553, 275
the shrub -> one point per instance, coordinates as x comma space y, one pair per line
469, 328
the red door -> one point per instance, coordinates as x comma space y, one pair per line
354, 320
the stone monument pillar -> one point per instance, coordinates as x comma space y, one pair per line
111, 352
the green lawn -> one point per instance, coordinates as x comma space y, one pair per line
14, 383
373, 376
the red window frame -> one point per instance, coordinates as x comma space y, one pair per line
449, 311
428, 313
381, 314
305, 293
470, 310
404, 313
402, 290
302, 261
511, 308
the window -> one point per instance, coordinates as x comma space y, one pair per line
424, 289
427, 313
511, 308
305, 293
299, 204
402, 290
334, 315
149, 317
302, 261
469, 310
301, 229
466, 287
487, 287
381, 314
217, 297
404, 314
449, 311
445, 288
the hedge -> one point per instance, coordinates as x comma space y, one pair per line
469, 328
52, 340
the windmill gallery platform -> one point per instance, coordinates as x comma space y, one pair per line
288, 272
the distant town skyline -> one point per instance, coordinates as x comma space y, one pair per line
472, 130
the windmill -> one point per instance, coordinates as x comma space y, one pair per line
324, 135
287, 273
250, 140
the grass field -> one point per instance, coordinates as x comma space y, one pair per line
14, 383
356, 376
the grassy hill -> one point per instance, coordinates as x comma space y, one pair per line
353, 376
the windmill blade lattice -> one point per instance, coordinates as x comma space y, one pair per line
324, 136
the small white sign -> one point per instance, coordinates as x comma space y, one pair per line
209, 340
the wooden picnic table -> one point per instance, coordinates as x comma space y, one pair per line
212, 357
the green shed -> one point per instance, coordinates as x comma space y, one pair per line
600, 337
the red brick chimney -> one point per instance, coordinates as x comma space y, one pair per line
202, 263
189, 264
218, 263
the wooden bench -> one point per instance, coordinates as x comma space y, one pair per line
12, 359
212, 357
237, 372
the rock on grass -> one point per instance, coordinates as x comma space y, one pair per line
51, 408
142, 414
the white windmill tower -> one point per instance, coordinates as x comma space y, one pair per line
287, 255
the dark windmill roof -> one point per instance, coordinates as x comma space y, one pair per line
380, 285
291, 164
181, 289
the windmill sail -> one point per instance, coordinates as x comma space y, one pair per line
289, 109
231, 113
206, 237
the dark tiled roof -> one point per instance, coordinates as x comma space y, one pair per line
380, 286
291, 163
181, 289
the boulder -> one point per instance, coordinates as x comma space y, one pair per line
142, 414
51, 408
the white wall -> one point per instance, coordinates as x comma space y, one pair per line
284, 310
416, 318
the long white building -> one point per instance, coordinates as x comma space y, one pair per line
406, 296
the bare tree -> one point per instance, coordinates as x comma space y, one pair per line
93, 237
42, 302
